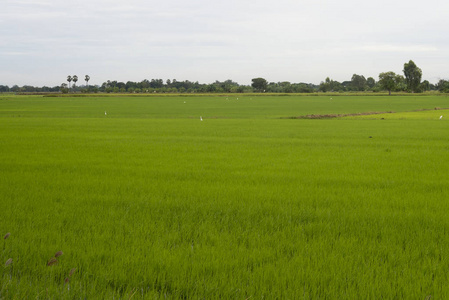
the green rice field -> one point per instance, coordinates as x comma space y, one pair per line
256, 201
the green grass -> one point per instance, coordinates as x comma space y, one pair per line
150, 202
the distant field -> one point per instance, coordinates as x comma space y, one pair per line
147, 201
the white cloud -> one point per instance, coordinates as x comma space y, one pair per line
13, 53
209, 40
398, 48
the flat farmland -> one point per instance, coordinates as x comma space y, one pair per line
146, 201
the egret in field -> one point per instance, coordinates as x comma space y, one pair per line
441, 117
201, 118
184, 102
331, 98
105, 113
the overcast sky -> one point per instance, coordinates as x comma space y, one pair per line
43, 41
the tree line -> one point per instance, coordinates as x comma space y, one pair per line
389, 81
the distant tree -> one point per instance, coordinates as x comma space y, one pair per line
156, 83
425, 86
358, 82
27, 89
442, 86
433, 87
370, 82
401, 86
387, 81
346, 84
75, 79
130, 84
287, 87
64, 88
225, 86
259, 84
329, 85
121, 85
413, 76
325, 86
69, 79
303, 88
87, 78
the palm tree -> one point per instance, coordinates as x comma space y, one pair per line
69, 79
75, 79
87, 78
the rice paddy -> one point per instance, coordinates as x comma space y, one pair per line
148, 202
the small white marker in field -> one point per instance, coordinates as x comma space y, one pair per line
441, 117
201, 118
105, 113
331, 98
184, 102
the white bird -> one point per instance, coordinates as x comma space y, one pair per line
201, 118
184, 102
105, 114
331, 98
441, 117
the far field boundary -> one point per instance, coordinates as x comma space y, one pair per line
229, 94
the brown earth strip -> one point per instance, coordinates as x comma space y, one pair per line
330, 116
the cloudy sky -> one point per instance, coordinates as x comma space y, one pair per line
43, 41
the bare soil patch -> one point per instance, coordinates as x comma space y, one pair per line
330, 116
